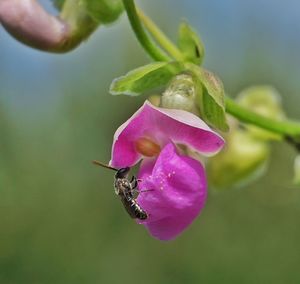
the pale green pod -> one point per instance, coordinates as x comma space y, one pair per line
242, 160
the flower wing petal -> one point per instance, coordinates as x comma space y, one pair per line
162, 125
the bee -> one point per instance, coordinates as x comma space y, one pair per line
127, 191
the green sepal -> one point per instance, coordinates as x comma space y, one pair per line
190, 44
211, 101
101, 11
145, 78
213, 113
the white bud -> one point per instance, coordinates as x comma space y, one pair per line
180, 94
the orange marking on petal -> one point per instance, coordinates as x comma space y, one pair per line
147, 147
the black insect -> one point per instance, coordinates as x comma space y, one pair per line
127, 191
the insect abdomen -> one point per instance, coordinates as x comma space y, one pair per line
139, 212
134, 210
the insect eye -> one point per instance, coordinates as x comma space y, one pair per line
121, 173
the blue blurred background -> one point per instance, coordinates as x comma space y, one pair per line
60, 221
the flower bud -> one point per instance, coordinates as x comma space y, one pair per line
180, 94
243, 159
266, 101
30, 23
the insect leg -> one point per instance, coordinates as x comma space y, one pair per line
134, 182
146, 190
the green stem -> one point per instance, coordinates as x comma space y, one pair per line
147, 43
285, 128
160, 37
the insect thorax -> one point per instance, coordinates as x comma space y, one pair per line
122, 186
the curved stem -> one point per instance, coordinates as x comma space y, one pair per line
160, 37
285, 128
288, 129
151, 48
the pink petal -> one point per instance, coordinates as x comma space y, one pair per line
178, 192
30, 23
162, 125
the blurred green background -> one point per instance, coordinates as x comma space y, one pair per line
60, 221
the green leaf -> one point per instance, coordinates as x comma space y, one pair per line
211, 101
190, 44
145, 78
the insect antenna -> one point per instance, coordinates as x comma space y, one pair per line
103, 165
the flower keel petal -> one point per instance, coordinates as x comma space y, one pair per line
178, 192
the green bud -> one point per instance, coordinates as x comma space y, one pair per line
104, 11
243, 160
84, 16
266, 101
181, 94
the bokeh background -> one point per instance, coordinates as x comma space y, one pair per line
60, 221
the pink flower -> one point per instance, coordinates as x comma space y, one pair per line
176, 183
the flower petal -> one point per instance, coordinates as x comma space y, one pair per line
162, 125
177, 193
